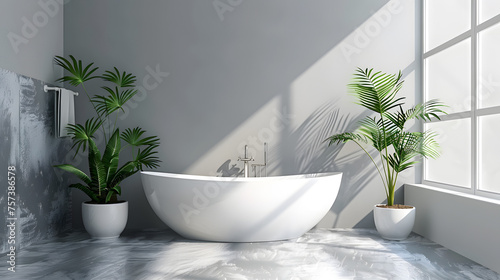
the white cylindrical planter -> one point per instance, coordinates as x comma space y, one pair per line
392, 223
105, 220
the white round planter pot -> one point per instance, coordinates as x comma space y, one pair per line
105, 220
394, 224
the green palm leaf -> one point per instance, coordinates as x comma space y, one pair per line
79, 74
86, 190
101, 105
399, 118
406, 147
147, 157
109, 196
112, 192
117, 189
380, 132
377, 91
96, 167
126, 95
133, 137
426, 111
371, 129
128, 169
105, 105
111, 155
80, 174
121, 80
81, 134
430, 147
344, 138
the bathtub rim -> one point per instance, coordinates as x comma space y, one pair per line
307, 176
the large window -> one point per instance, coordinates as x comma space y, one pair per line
461, 53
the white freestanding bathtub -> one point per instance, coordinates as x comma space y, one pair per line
229, 209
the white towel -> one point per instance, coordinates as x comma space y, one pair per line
65, 114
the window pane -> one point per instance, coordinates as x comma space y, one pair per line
489, 154
447, 75
454, 165
444, 20
488, 9
489, 60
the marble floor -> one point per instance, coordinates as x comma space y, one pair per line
319, 254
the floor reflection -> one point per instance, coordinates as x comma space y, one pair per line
319, 254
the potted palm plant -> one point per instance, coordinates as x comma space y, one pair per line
397, 147
104, 216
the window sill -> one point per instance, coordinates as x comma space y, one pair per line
457, 193
465, 223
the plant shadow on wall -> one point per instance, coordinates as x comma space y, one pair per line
313, 156
229, 170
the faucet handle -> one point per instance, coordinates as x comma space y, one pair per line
246, 159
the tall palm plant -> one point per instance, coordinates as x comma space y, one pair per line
398, 148
102, 184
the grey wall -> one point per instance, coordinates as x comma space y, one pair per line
31, 34
42, 200
230, 73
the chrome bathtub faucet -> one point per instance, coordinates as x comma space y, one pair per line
255, 166
245, 160
261, 166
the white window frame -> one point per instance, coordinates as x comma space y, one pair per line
474, 112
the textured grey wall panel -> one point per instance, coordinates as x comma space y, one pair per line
28, 142
9, 140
